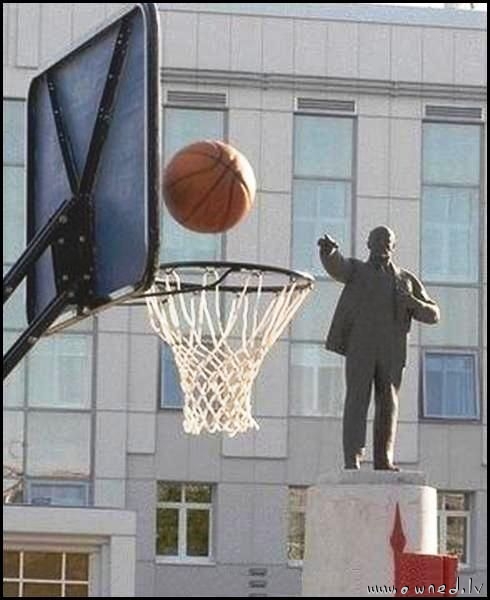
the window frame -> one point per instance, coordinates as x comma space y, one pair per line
295, 563
479, 187
60, 483
322, 274
182, 507
317, 389
63, 581
57, 358
424, 395
443, 514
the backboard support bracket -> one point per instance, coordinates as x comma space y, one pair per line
66, 234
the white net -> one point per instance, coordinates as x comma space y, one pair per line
219, 335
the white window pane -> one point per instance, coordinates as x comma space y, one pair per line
451, 153
59, 444
319, 207
322, 146
185, 126
305, 194
169, 492
454, 522
434, 390
450, 234
460, 207
456, 537
60, 370
13, 132
304, 247
13, 442
172, 395
14, 384
181, 244
317, 381
13, 213
198, 524
197, 493
454, 501
167, 542
462, 256
435, 253
58, 495
436, 202
450, 386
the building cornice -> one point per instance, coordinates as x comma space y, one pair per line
316, 84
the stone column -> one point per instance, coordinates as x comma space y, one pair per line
349, 522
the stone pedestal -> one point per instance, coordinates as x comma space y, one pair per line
349, 522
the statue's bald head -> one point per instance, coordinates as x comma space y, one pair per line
381, 242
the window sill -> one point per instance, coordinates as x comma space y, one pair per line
449, 420
184, 562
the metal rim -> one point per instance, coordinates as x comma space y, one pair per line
300, 279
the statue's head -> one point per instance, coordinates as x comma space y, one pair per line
381, 242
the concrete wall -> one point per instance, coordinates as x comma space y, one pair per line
107, 534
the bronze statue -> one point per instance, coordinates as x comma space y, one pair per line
370, 327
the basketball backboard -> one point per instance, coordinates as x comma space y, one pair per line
93, 135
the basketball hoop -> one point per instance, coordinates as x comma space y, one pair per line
221, 319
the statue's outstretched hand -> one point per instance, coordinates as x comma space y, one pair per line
327, 244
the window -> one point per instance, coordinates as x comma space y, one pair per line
57, 493
296, 525
171, 395
451, 202
454, 525
60, 372
56, 374
317, 381
45, 574
184, 521
450, 385
322, 186
182, 126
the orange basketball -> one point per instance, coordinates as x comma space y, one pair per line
209, 186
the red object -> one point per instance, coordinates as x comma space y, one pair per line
422, 575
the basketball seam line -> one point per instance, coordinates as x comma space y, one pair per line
168, 186
217, 160
199, 205
230, 199
203, 198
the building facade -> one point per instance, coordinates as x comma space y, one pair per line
352, 116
